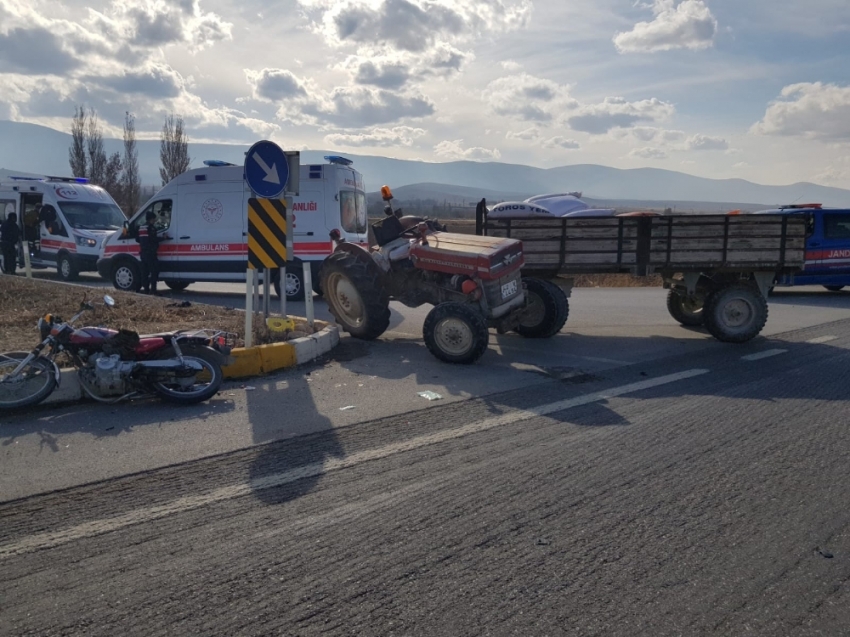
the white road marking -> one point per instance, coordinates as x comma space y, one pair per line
765, 354
822, 339
93, 528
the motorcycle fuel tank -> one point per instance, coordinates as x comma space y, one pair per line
485, 258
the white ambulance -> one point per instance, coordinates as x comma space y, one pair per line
69, 230
205, 212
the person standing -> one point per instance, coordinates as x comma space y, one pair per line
149, 241
10, 236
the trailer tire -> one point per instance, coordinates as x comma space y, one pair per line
356, 296
456, 333
834, 288
735, 313
688, 310
66, 268
546, 312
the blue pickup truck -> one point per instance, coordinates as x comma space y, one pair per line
827, 247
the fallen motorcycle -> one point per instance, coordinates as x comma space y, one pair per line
180, 366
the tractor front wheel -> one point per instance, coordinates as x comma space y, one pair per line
456, 333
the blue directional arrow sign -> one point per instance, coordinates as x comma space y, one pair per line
266, 169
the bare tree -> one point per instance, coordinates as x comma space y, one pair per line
112, 177
97, 156
77, 151
130, 182
173, 149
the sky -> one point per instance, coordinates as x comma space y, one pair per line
751, 89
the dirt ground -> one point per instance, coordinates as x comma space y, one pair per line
23, 301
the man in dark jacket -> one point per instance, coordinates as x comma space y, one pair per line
10, 236
149, 241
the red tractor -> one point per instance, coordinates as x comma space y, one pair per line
473, 282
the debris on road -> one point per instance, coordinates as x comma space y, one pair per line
430, 395
346, 408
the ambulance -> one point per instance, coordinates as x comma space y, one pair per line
68, 232
205, 212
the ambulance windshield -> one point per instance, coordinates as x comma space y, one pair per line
90, 215
352, 208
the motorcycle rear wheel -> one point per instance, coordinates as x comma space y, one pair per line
206, 385
33, 384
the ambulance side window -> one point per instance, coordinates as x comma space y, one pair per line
6, 206
836, 226
162, 210
352, 210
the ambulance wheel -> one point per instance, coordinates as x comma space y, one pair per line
294, 283
546, 312
355, 295
834, 288
177, 286
66, 268
127, 276
455, 333
735, 313
687, 309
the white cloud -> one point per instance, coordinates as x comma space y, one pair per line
274, 85
648, 153
688, 25
377, 137
359, 107
706, 142
526, 135
616, 112
561, 142
649, 134
412, 25
813, 110
528, 98
454, 150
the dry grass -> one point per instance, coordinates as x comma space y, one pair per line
23, 301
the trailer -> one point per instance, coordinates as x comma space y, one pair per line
718, 268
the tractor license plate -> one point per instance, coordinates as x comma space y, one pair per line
509, 289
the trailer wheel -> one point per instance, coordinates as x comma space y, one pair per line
735, 313
546, 311
687, 309
355, 296
66, 268
834, 288
455, 333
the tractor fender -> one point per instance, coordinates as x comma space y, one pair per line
361, 254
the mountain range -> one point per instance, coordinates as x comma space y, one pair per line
36, 149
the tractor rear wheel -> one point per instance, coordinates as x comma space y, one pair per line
355, 296
455, 333
546, 311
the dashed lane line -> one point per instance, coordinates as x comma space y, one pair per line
765, 354
822, 339
93, 528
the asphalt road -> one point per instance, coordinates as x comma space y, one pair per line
698, 496
628, 477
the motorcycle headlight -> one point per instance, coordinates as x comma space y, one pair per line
86, 242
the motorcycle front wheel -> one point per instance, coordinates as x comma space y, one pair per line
197, 389
30, 386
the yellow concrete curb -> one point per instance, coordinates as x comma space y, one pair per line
264, 359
